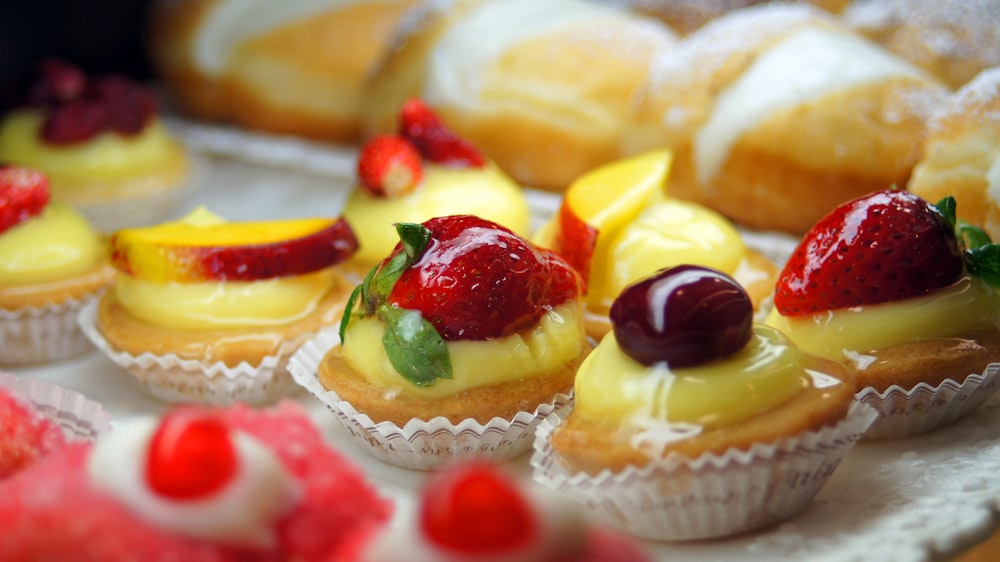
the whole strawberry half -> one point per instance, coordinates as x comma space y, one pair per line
24, 193
883, 247
389, 166
458, 277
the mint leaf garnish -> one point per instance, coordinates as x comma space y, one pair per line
415, 349
947, 207
412, 344
982, 256
984, 261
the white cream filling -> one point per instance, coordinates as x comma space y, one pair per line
232, 21
242, 514
803, 67
459, 61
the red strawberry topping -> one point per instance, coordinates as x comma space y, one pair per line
389, 166
884, 247
435, 141
24, 192
478, 280
191, 455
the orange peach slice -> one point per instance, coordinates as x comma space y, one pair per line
202, 247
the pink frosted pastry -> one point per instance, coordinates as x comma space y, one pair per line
26, 434
474, 512
199, 485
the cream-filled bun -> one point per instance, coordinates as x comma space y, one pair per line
542, 88
291, 67
776, 115
686, 16
962, 153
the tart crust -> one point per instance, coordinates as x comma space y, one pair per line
929, 361
56, 293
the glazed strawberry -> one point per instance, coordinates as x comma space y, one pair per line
389, 166
458, 277
884, 247
24, 192
435, 141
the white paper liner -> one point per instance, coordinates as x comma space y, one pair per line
420, 444
43, 334
173, 379
711, 496
924, 408
80, 418
144, 209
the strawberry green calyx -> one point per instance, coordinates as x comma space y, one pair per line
982, 256
414, 347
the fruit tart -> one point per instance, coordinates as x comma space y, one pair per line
102, 143
422, 171
617, 224
52, 262
476, 512
454, 345
207, 310
906, 298
198, 484
688, 409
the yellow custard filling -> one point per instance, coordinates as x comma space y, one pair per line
486, 193
611, 388
213, 305
57, 244
108, 156
668, 232
965, 308
558, 339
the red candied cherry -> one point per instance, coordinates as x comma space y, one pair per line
474, 509
683, 316
191, 455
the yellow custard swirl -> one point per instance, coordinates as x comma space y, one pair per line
487, 193
57, 244
967, 307
613, 389
557, 340
109, 157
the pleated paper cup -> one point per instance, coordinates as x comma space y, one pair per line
420, 444
43, 334
175, 379
679, 499
79, 417
909, 412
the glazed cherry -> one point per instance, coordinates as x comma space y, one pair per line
191, 455
474, 509
683, 316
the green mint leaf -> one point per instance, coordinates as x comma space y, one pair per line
415, 349
348, 309
984, 262
414, 238
947, 208
972, 236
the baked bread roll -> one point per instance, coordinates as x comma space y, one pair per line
542, 88
685, 16
952, 39
776, 115
962, 153
291, 67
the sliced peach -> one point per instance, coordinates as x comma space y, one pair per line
203, 247
600, 202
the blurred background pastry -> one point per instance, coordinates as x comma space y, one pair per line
776, 114
542, 88
292, 67
685, 16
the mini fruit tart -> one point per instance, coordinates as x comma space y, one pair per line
209, 311
102, 143
692, 421
904, 296
52, 262
617, 224
423, 171
455, 345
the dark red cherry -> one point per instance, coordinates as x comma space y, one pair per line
683, 316
475, 509
191, 455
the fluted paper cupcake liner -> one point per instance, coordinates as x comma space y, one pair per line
420, 444
677, 498
174, 379
43, 334
80, 418
924, 408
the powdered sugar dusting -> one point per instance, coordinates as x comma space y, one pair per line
978, 100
